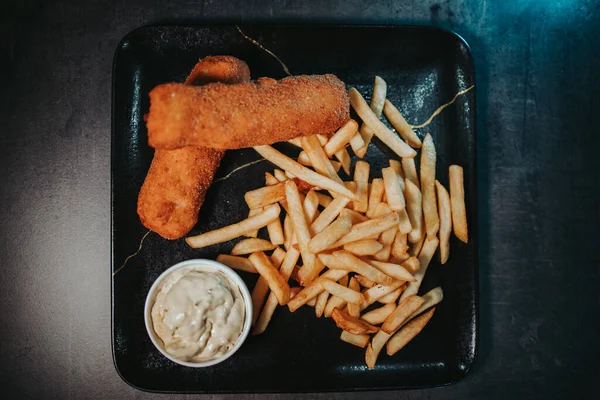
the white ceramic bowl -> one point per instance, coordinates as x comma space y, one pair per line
206, 265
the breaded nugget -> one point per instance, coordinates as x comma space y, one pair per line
177, 180
246, 114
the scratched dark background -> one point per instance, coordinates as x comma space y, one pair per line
537, 66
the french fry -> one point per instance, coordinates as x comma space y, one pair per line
412, 265
352, 324
357, 143
361, 178
415, 249
344, 293
405, 309
377, 292
288, 231
357, 340
280, 175
314, 288
394, 270
304, 159
287, 266
321, 303
383, 254
394, 142
457, 199
237, 263
387, 237
300, 171
330, 235
400, 245
430, 212
392, 297
393, 190
364, 282
415, 211
355, 217
329, 214
289, 174
404, 225
299, 222
382, 209
432, 298
397, 167
377, 102
296, 289
319, 159
251, 245
344, 158
360, 267
445, 214
340, 139
344, 280
252, 213
425, 256
408, 332
366, 247
375, 195
333, 262
260, 291
311, 205
276, 282
399, 123
368, 229
378, 315
322, 139
354, 308
265, 195
410, 171
375, 347
276, 232
324, 200
333, 303
268, 215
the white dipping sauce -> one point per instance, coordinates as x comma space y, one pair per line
198, 314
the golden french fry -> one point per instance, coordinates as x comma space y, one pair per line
382, 209
355, 217
344, 158
332, 262
430, 212
394, 270
304, 159
375, 195
268, 215
259, 293
410, 171
377, 292
276, 232
352, 324
397, 167
364, 282
393, 190
329, 214
296, 289
394, 142
366, 247
377, 102
357, 340
324, 200
432, 298
383, 254
302, 172
404, 225
457, 199
312, 302
238, 263
319, 159
357, 143
387, 237
311, 205
265, 195
340, 139
378, 315
415, 249
354, 308
425, 256
322, 139
330, 235
360, 267
408, 332
344, 293
400, 245
270, 179
252, 213
368, 229
276, 282
252, 245
400, 124
415, 211
392, 297
321, 303
375, 347
412, 265
333, 303
280, 175
401, 314
361, 178
287, 267
445, 221
288, 231
314, 288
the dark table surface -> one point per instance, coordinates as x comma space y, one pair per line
537, 66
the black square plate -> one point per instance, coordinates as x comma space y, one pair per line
424, 68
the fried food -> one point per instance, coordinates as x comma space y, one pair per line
247, 114
177, 181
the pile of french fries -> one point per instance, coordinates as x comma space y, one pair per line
361, 242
